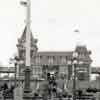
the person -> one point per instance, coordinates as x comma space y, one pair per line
11, 89
5, 86
5, 90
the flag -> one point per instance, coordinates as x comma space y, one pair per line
23, 3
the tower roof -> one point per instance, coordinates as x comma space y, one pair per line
23, 37
22, 40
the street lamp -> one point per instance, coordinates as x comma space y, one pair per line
74, 64
15, 60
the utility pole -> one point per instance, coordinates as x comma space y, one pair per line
27, 90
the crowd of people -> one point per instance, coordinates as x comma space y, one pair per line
7, 92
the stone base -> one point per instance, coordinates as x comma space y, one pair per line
27, 90
27, 96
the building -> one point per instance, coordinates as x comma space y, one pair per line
59, 62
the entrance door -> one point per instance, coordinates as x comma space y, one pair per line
48, 68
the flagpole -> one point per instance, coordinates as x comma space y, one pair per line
27, 90
28, 33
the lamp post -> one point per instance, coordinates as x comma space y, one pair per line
74, 65
15, 60
15, 72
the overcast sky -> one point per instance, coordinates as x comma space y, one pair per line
53, 24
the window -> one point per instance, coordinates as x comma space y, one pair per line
69, 62
37, 71
81, 76
50, 60
37, 59
63, 60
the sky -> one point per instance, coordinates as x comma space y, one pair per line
53, 23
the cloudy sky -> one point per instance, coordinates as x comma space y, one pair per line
53, 23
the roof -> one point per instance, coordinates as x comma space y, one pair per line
55, 53
56, 58
84, 54
23, 37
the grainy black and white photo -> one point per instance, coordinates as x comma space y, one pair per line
49, 49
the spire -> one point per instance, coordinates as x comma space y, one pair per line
22, 40
23, 37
